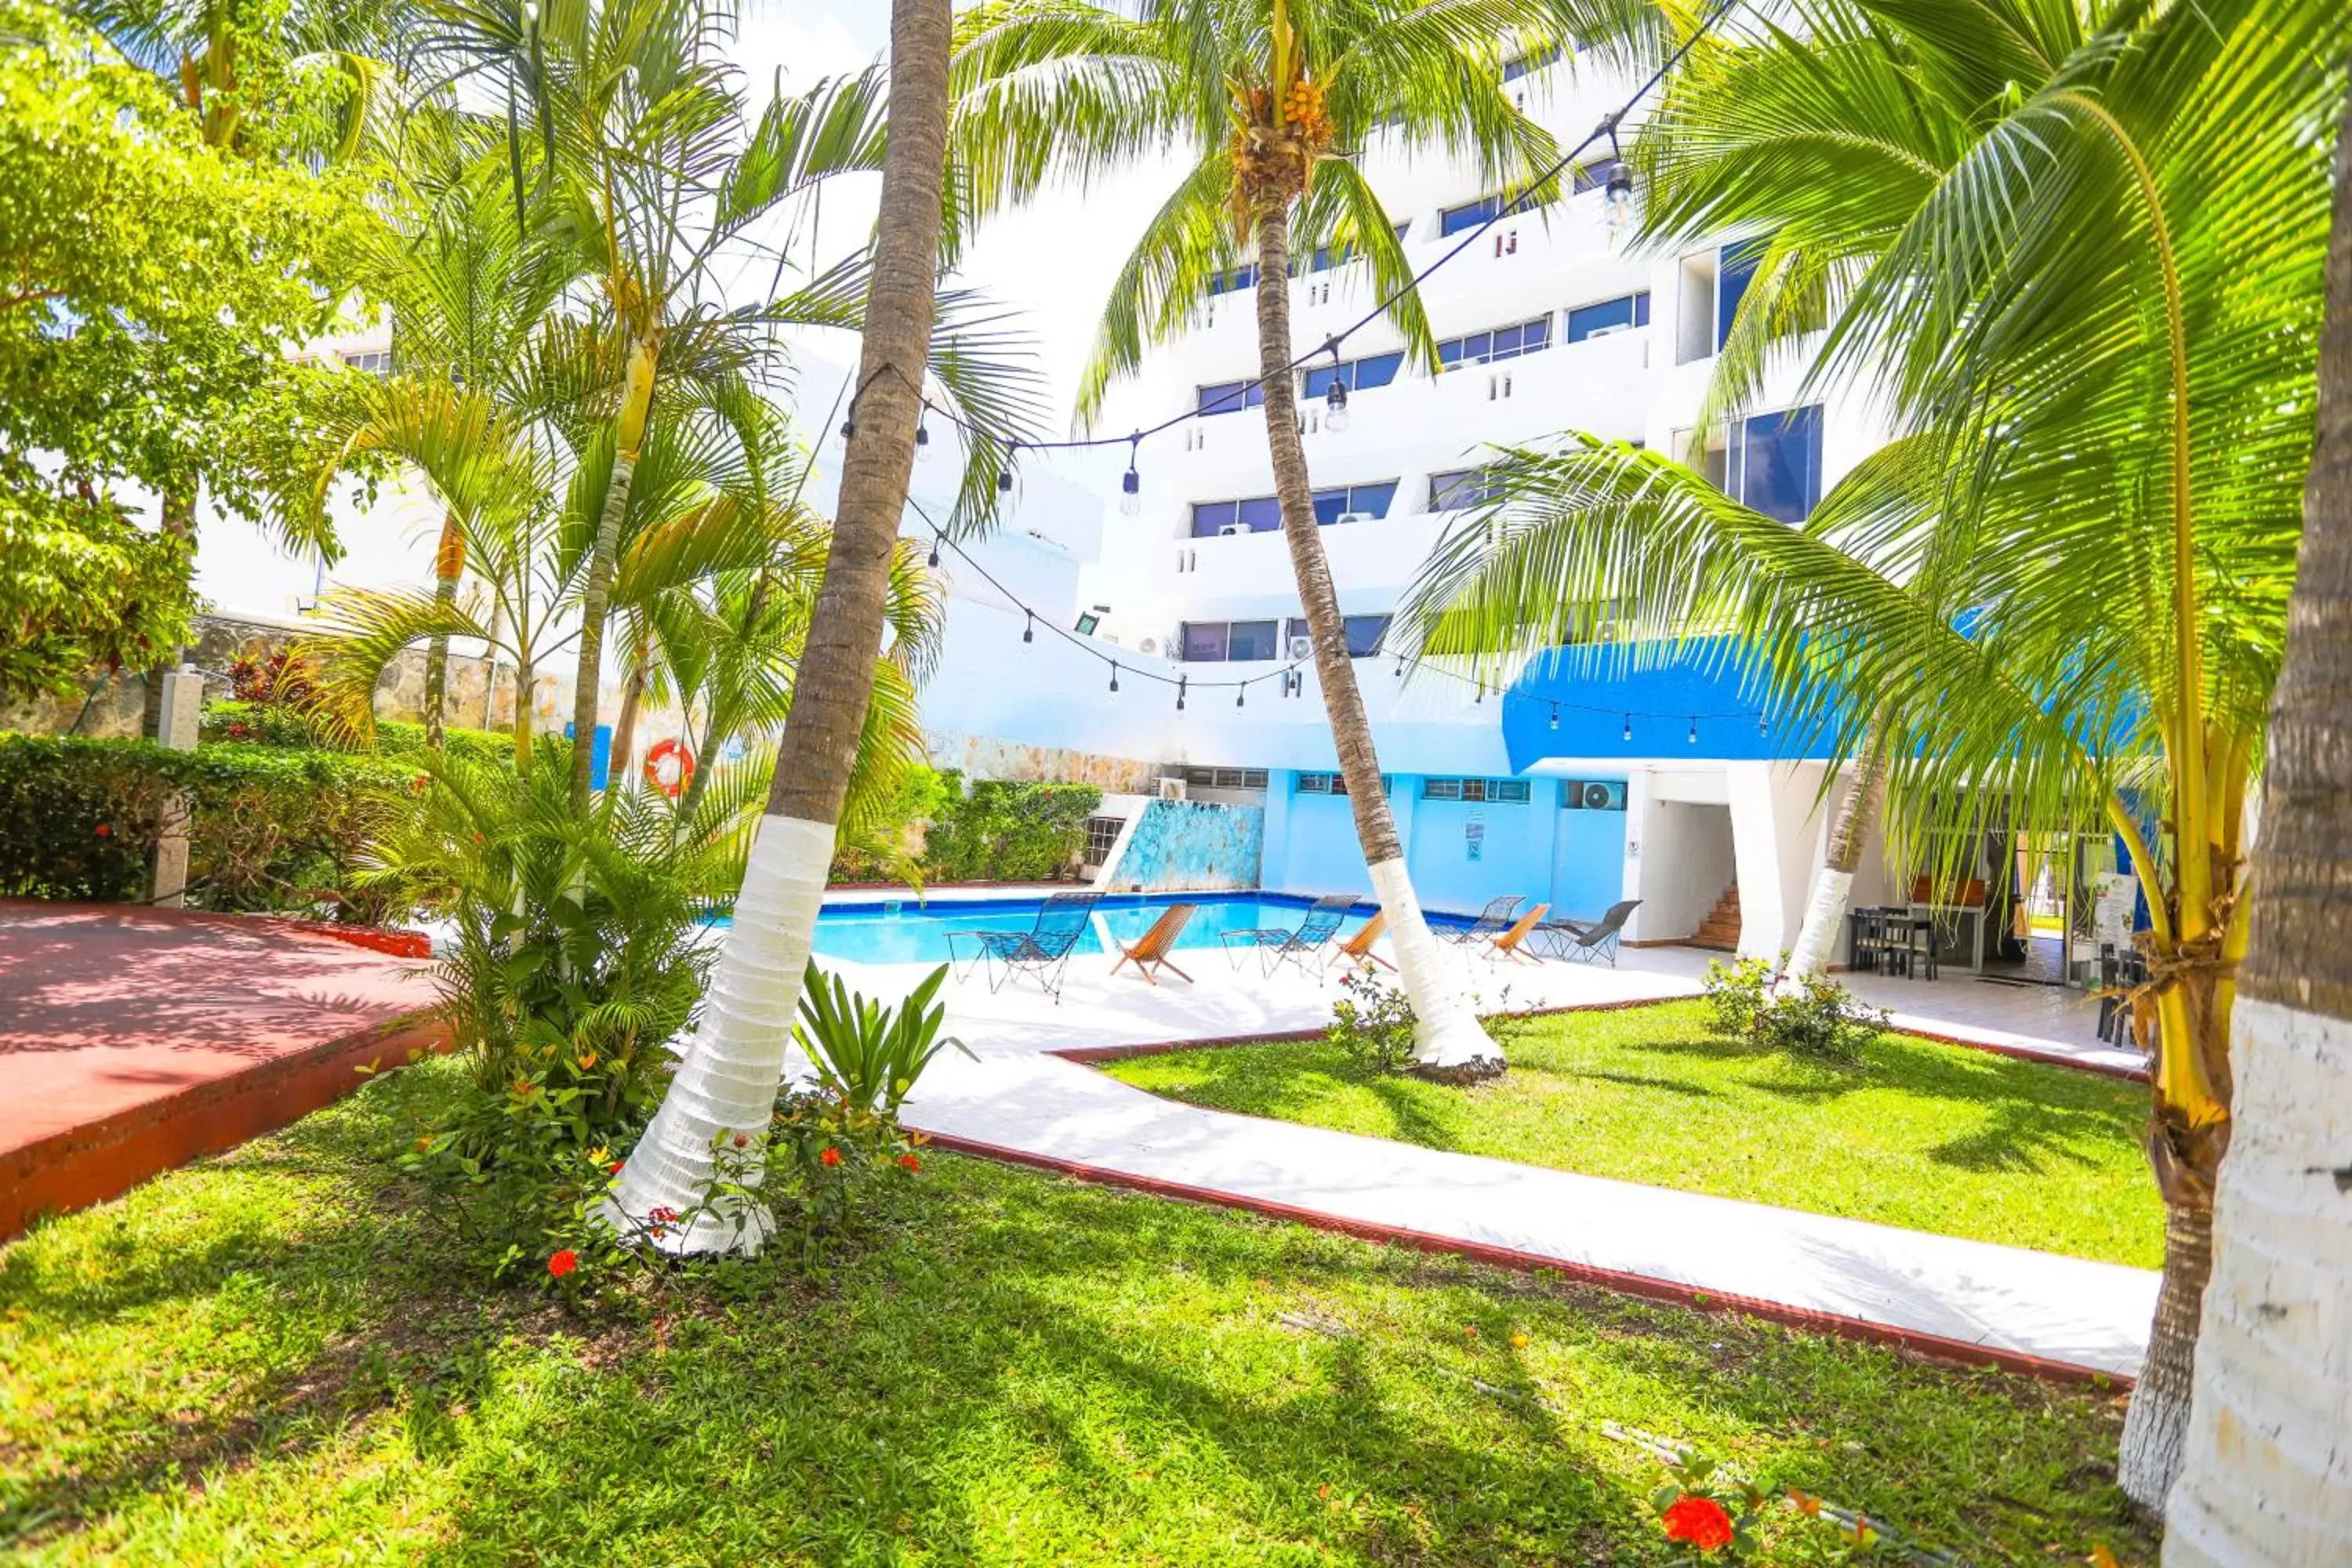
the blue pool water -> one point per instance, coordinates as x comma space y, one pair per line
905, 931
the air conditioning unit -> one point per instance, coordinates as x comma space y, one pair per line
1147, 646
1302, 647
1357, 517
1610, 331
1601, 796
1171, 788
1231, 529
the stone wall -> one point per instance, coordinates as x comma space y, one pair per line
986, 757
116, 702
1190, 845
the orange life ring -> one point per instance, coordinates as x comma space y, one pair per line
669, 767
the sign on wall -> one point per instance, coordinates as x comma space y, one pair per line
1474, 835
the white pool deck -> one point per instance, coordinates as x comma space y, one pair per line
1017, 1097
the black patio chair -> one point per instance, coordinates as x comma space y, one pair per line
1492, 921
1043, 951
1275, 946
1584, 941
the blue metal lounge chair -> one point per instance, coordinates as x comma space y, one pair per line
1275, 947
1492, 922
1044, 949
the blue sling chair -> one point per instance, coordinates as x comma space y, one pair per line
1275, 946
1043, 951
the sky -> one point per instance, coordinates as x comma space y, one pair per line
1054, 261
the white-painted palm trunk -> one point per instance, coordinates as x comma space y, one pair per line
1817, 934
1447, 1037
726, 1084
2267, 1477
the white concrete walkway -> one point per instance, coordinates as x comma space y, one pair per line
1018, 1098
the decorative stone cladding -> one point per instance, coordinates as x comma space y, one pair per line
1190, 846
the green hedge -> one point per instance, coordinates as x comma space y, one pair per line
998, 832
271, 829
270, 724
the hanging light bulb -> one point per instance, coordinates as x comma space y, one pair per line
1114, 677
1004, 474
922, 442
849, 425
935, 552
1481, 692
1335, 396
1628, 735
1399, 674
1554, 715
1617, 215
1242, 696
1028, 626
1130, 484
1180, 681
1693, 736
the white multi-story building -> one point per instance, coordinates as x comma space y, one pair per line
1577, 785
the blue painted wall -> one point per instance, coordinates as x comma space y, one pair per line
1192, 846
1594, 689
1572, 860
1588, 867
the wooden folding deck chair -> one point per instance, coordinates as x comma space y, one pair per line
1149, 952
1358, 949
1510, 944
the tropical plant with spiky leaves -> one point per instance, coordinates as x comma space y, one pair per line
2079, 251
1270, 102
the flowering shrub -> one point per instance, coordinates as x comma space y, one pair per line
1696, 1512
1814, 1018
1372, 1021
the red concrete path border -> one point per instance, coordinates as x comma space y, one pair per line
133, 1040
1646, 1287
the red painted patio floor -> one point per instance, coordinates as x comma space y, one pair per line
132, 1040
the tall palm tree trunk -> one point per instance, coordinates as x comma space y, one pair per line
2266, 1476
1849, 832
728, 1083
1448, 1040
633, 697
596, 590
448, 565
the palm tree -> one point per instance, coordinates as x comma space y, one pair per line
1271, 101
2122, 425
2262, 1482
726, 1084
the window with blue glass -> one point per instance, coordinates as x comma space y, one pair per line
1460, 488
1230, 396
1498, 792
1335, 784
1780, 463
1469, 214
1529, 64
1355, 375
1331, 505
1364, 633
1502, 343
1230, 282
1735, 271
1214, 642
1257, 514
1327, 256
1617, 315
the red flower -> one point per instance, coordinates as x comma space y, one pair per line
613, 1169
105, 829
911, 1162
564, 1263
1701, 1521
743, 1140
832, 1156
662, 1217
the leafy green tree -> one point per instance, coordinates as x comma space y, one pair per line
2076, 252
151, 284
1270, 102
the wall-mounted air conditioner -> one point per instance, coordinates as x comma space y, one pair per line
1148, 646
1610, 331
1231, 529
1358, 517
1171, 788
1601, 796
1302, 647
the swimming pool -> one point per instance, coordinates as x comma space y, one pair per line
905, 931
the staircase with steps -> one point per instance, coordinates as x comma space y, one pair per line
1719, 932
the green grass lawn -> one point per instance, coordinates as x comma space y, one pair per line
270, 1359
1929, 1136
